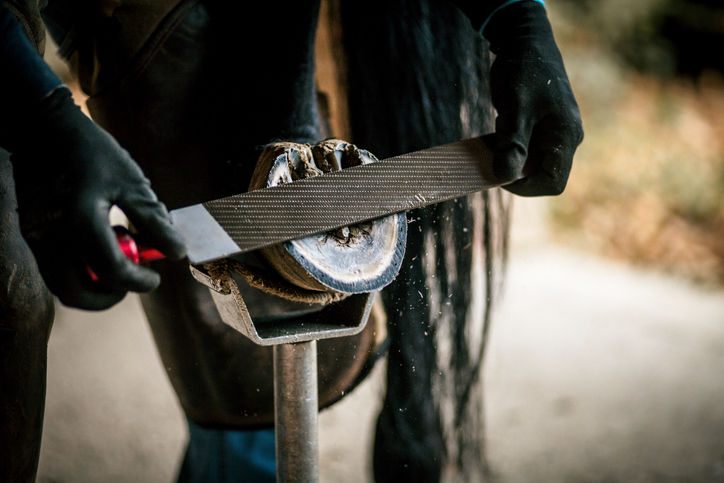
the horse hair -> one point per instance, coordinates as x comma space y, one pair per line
417, 77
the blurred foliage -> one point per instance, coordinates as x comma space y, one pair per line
648, 180
662, 37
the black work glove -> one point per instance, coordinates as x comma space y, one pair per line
538, 126
68, 174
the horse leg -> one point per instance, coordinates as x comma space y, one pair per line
26, 317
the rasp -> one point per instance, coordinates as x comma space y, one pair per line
248, 221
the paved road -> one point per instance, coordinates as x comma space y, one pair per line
596, 372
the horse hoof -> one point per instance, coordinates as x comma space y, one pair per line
354, 259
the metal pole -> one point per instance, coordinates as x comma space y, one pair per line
295, 412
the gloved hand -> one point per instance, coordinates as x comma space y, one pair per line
68, 173
538, 126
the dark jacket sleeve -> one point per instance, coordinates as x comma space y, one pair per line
26, 78
481, 11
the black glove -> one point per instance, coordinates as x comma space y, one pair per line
538, 126
68, 173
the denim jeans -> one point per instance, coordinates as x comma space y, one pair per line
221, 456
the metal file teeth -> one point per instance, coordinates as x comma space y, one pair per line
322, 203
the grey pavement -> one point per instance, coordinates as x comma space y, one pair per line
596, 372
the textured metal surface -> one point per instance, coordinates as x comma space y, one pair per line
314, 205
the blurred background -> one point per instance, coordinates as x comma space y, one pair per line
648, 183
606, 360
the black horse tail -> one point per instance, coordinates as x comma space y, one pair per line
417, 77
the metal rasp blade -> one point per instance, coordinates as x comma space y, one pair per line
248, 221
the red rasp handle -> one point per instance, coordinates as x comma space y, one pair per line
134, 252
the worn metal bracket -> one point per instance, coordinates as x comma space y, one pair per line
346, 317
